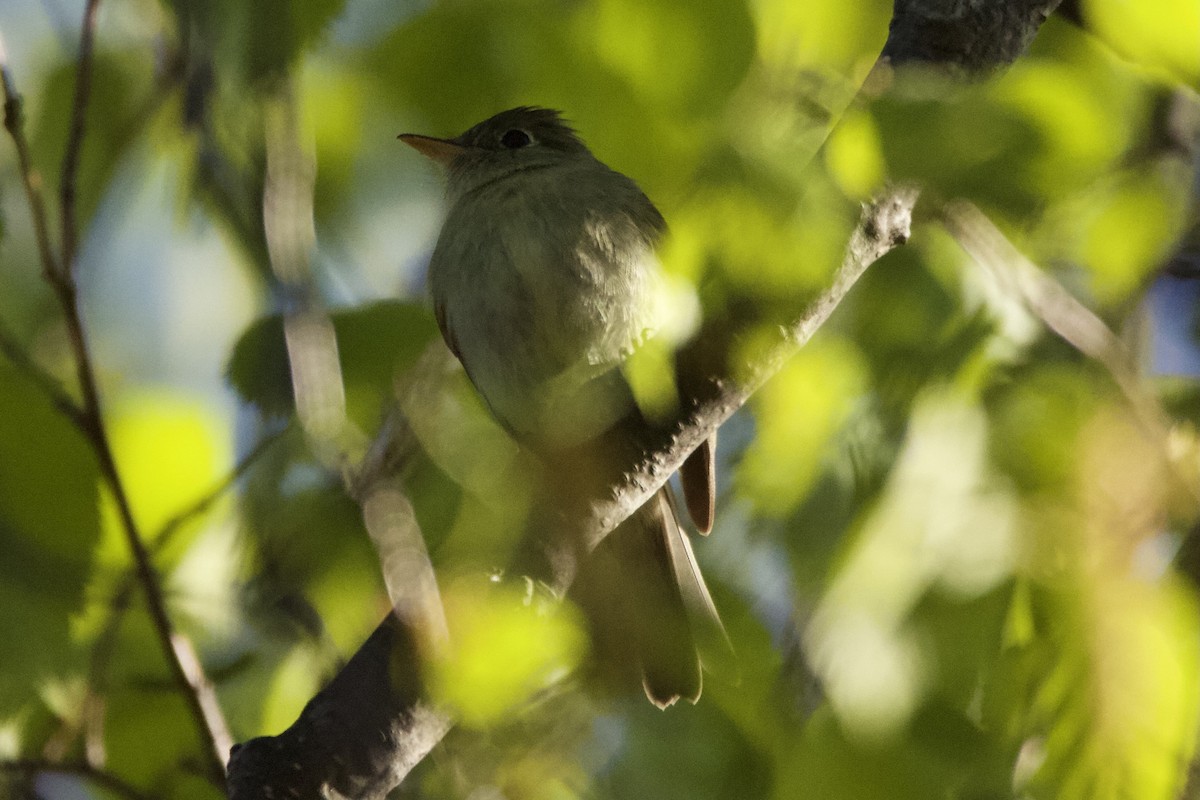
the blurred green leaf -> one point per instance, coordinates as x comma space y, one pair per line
49, 528
1035, 422
1041, 131
121, 87
375, 343
256, 41
1163, 35
797, 414
643, 82
820, 36
333, 110
687, 752
148, 729
1119, 230
504, 647
678, 56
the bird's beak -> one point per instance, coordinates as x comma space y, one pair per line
442, 151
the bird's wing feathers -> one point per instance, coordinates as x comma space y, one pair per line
712, 642
698, 475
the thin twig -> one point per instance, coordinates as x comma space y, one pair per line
17, 355
70, 164
205, 502
213, 727
31, 179
1062, 313
101, 778
60, 276
1047, 299
105, 643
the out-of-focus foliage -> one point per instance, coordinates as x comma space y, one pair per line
373, 342
504, 646
51, 526
954, 555
1161, 37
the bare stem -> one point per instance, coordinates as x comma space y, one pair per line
31, 179
17, 355
70, 165
184, 669
104, 644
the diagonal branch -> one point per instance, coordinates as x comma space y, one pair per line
362, 734
714, 398
104, 644
1069, 319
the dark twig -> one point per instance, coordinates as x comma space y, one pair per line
31, 179
79, 106
189, 681
183, 667
101, 778
204, 503
105, 642
17, 355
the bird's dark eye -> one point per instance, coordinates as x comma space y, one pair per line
516, 139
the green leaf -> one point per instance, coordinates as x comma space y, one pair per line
645, 83
375, 342
279, 30
49, 527
256, 41
120, 84
1163, 35
1045, 129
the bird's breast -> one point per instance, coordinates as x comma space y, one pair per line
543, 287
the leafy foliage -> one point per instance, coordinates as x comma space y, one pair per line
954, 554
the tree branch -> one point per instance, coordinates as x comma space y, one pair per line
364, 731
1071, 320
884, 225
185, 669
971, 37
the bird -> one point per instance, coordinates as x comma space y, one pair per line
544, 281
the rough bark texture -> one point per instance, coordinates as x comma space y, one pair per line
362, 734
357, 738
969, 36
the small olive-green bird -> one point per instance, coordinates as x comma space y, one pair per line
544, 281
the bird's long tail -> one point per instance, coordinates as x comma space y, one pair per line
648, 606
